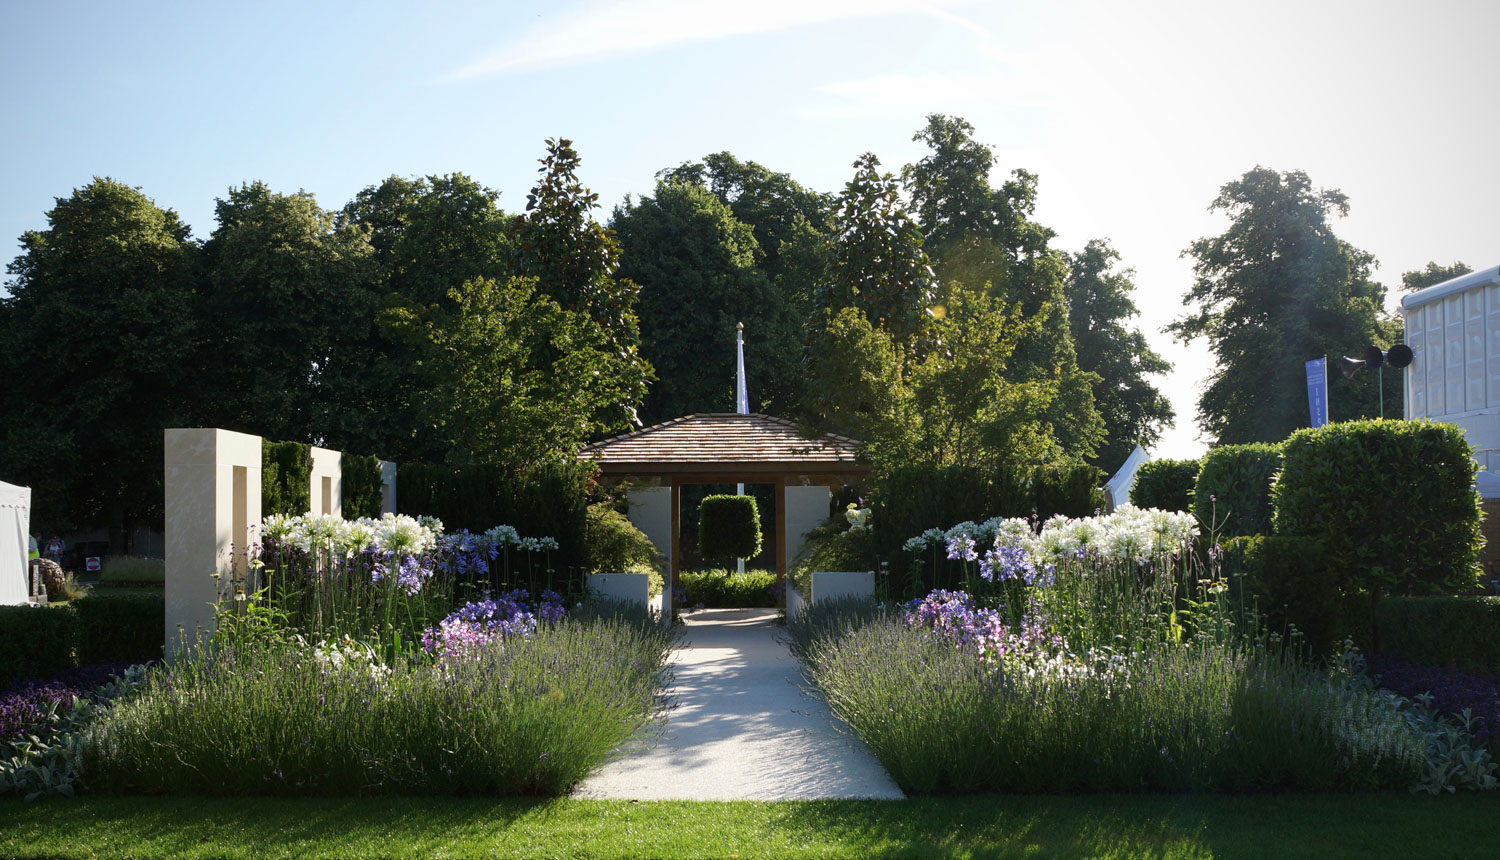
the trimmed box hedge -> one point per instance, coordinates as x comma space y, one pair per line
120, 625
1232, 496
1165, 484
540, 500
361, 486
1290, 583
728, 527
285, 478
1393, 503
1442, 631
35, 641
908, 500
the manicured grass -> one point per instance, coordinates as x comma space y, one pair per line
1157, 826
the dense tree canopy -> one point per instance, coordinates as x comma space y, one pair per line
420, 322
875, 260
981, 235
1099, 307
696, 266
1278, 288
1431, 275
288, 299
429, 236
95, 343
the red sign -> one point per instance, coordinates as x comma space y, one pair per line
91, 564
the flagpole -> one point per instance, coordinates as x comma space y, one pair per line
741, 401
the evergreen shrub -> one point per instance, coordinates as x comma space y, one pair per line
1233, 493
727, 589
285, 478
1165, 484
908, 500
728, 527
116, 626
1442, 631
1288, 581
35, 641
1393, 503
540, 500
612, 544
361, 486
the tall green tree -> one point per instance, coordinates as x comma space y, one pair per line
429, 236
954, 405
289, 299
574, 261
95, 339
524, 379
978, 234
1431, 275
875, 262
1099, 308
1276, 289
696, 266
791, 222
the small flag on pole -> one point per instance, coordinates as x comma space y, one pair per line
741, 395
1317, 390
741, 403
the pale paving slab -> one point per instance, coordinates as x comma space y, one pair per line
742, 729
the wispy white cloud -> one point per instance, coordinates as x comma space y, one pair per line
623, 29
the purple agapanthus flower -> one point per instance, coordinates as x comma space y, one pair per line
961, 548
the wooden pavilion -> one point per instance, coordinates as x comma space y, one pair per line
729, 448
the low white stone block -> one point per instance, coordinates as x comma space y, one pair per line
796, 604
827, 585
634, 587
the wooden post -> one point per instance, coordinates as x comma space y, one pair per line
781, 529
676, 537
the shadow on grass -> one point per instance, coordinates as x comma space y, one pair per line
1154, 826
1286, 825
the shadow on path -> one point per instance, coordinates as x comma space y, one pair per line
742, 729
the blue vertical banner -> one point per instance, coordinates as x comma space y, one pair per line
1317, 390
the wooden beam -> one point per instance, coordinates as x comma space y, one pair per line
781, 530
676, 538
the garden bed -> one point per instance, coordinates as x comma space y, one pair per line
1102, 655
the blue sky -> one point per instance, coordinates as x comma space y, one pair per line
1132, 114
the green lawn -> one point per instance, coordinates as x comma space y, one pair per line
1320, 826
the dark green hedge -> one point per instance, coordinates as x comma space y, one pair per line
724, 589
361, 486
1289, 582
728, 528
908, 500
1442, 631
285, 478
1233, 492
120, 625
539, 500
1392, 501
35, 642
1165, 484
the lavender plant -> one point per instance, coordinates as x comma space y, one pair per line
277, 715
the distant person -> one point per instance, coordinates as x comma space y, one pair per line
54, 549
34, 553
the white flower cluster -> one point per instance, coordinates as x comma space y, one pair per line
346, 654
1012, 531
392, 533
1129, 534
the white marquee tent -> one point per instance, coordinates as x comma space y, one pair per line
15, 526
1119, 486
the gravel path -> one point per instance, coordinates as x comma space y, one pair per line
742, 729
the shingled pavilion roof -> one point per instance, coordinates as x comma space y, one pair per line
724, 442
